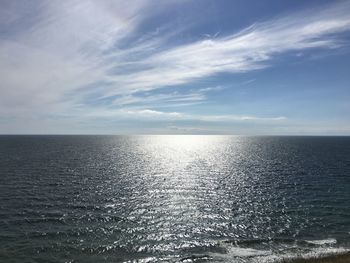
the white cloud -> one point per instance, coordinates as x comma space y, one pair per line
152, 113
160, 99
230, 118
145, 114
58, 49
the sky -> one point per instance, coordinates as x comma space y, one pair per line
175, 67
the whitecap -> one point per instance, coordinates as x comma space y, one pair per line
247, 252
329, 241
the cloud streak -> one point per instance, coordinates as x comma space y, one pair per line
156, 115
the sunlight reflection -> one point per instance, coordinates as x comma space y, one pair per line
178, 175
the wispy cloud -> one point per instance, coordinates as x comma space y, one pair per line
251, 49
50, 49
160, 99
230, 118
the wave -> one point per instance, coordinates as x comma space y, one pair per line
329, 241
247, 255
277, 252
315, 253
247, 252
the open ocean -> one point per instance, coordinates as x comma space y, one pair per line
172, 198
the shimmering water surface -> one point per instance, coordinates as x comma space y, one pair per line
172, 198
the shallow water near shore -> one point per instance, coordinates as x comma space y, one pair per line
172, 198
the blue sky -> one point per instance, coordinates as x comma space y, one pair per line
175, 67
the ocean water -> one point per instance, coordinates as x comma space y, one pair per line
172, 198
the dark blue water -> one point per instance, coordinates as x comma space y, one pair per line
172, 198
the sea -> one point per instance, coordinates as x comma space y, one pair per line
173, 198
